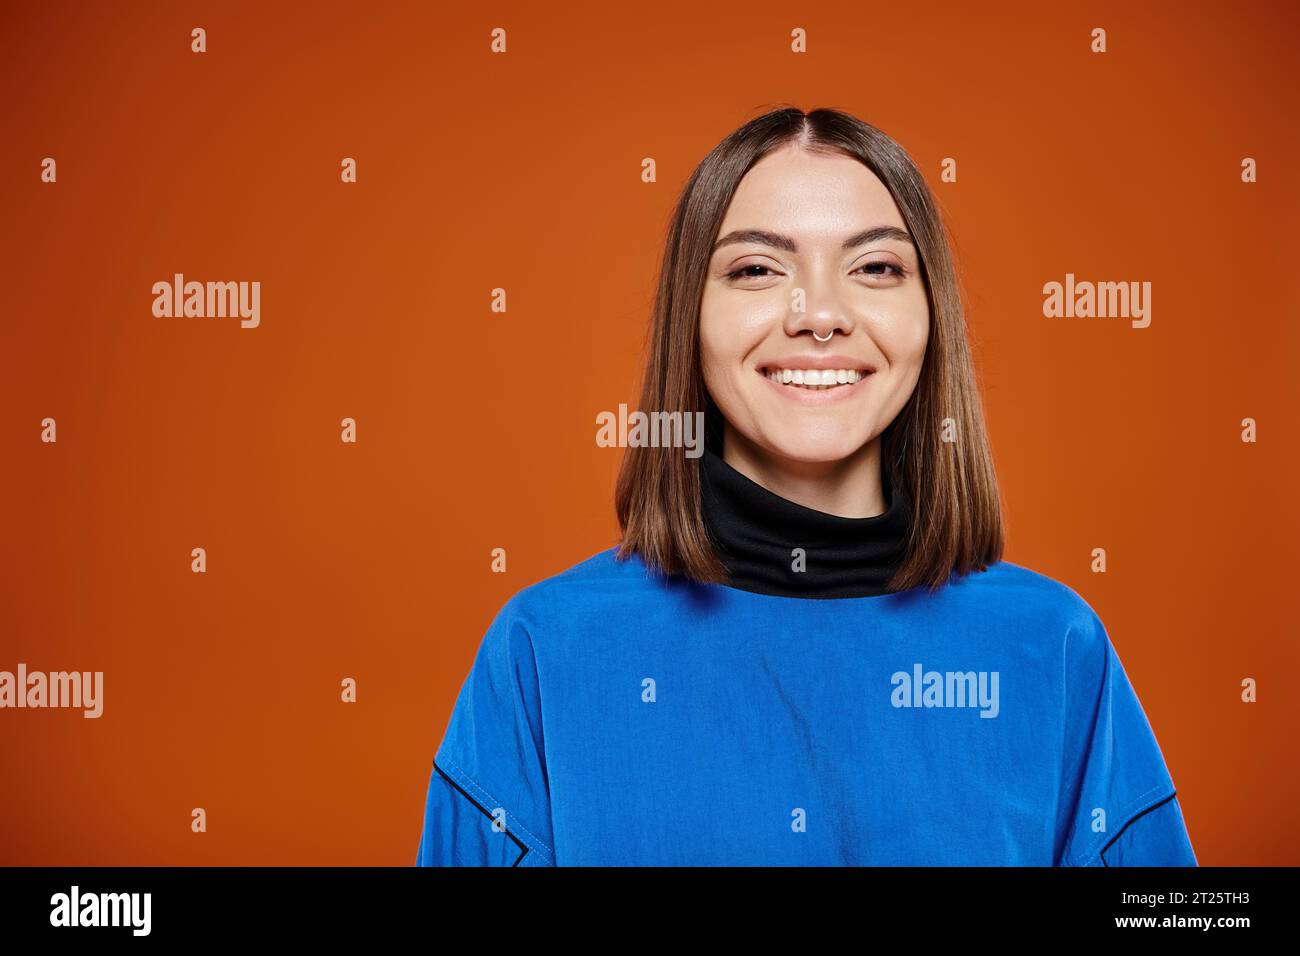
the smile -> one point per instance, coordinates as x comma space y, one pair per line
814, 378
817, 387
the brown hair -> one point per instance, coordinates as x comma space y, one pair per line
957, 518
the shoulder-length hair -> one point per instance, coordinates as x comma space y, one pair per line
936, 448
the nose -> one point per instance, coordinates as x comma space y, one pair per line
821, 315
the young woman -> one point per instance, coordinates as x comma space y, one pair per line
807, 649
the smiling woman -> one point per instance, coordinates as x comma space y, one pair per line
774, 300
723, 686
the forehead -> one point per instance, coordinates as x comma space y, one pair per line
796, 191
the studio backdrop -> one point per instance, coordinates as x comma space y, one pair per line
310, 317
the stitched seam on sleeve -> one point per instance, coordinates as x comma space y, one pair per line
515, 823
523, 847
1105, 839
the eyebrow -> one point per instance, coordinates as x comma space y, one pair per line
777, 241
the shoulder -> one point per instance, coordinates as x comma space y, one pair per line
1014, 593
1008, 581
597, 584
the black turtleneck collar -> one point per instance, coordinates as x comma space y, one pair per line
757, 531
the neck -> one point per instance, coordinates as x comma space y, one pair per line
848, 488
800, 530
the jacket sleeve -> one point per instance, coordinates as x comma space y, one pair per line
1156, 838
1118, 804
487, 801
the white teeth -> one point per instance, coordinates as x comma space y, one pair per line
815, 378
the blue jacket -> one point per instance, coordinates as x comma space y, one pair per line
616, 717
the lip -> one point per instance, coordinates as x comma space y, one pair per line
818, 396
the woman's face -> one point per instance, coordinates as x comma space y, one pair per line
812, 244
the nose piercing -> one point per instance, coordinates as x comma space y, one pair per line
828, 336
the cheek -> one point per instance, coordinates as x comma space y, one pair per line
905, 338
730, 329
715, 356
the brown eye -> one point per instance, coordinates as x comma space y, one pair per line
896, 270
744, 273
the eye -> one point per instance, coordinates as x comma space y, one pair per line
758, 271
898, 271
744, 272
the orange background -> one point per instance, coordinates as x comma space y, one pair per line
477, 430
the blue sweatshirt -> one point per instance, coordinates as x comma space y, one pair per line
613, 716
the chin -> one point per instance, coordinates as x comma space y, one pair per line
813, 449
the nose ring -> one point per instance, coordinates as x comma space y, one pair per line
828, 336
